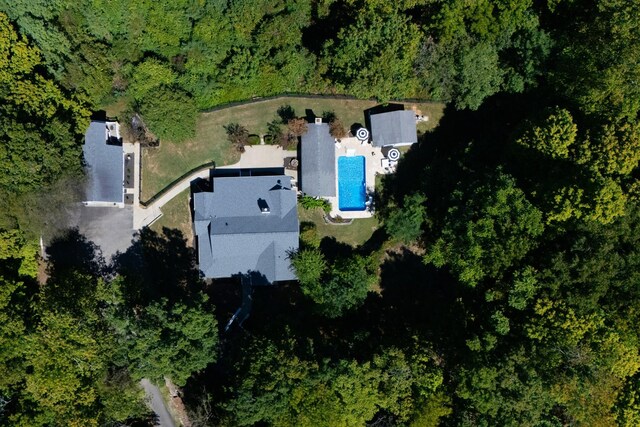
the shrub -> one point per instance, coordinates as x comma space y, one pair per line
269, 139
253, 140
286, 113
308, 202
309, 237
238, 135
329, 116
297, 127
274, 128
336, 129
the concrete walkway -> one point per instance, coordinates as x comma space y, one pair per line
144, 216
262, 156
157, 405
255, 156
373, 166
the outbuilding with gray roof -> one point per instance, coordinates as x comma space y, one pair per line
318, 162
393, 128
104, 164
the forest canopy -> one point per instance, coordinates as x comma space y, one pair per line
502, 287
203, 54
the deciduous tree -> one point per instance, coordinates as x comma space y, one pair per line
238, 135
488, 227
170, 114
405, 222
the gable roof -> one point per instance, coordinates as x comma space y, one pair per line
235, 236
104, 166
318, 162
393, 128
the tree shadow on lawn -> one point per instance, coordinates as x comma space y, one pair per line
226, 296
375, 242
277, 312
420, 300
334, 250
74, 265
416, 300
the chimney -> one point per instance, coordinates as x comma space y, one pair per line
318, 120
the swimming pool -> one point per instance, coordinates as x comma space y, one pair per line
352, 194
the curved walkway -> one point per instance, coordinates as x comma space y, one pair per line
143, 216
256, 156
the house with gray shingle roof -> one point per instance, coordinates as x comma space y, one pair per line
104, 164
318, 162
247, 226
392, 128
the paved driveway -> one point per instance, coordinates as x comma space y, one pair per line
110, 228
157, 404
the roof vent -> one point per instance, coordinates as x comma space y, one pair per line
264, 206
318, 120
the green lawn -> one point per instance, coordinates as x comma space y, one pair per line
354, 234
160, 166
116, 108
177, 214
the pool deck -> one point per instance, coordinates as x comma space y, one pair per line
373, 166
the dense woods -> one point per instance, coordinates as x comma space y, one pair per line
503, 288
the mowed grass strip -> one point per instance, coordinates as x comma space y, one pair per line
354, 234
162, 165
176, 214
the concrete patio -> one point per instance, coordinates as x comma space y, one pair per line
373, 166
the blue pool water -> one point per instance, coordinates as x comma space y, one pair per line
352, 193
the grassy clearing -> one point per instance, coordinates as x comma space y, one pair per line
162, 165
169, 161
177, 214
354, 234
117, 108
